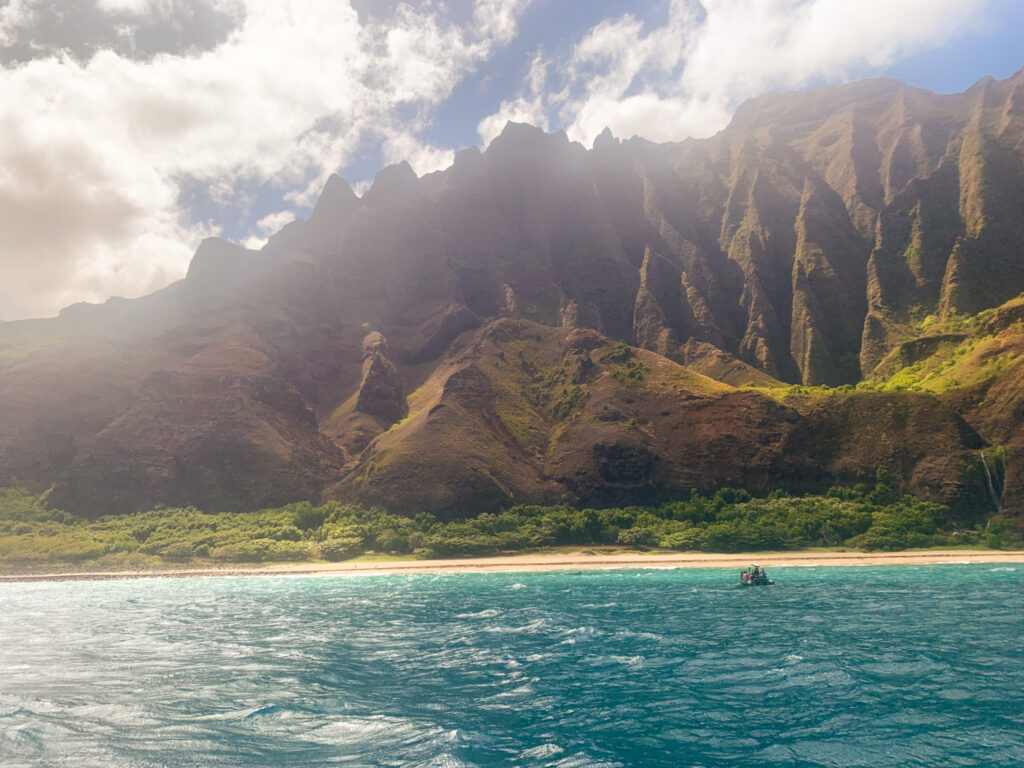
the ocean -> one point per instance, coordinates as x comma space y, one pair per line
832, 666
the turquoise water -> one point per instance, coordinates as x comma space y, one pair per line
897, 666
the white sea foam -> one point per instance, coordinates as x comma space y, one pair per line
541, 751
658, 567
532, 626
627, 633
581, 631
627, 661
442, 761
522, 690
584, 761
488, 613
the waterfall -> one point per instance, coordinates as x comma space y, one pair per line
991, 487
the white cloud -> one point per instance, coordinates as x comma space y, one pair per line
267, 226
423, 158
272, 222
537, 77
744, 46
686, 76
14, 15
529, 108
517, 111
94, 154
254, 242
497, 19
168, 8
138, 7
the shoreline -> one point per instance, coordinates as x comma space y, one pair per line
558, 561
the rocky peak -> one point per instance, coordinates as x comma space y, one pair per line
519, 141
375, 344
337, 202
381, 392
219, 264
605, 140
466, 163
801, 108
394, 185
211, 254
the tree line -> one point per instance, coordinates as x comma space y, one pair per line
33, 534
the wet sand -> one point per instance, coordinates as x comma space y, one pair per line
554, 561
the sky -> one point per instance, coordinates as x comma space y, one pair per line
132, 129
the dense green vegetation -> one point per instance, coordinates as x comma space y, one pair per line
967, 350
33, 535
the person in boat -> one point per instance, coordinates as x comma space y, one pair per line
749, 575
754, 575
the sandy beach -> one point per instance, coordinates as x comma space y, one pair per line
555, 561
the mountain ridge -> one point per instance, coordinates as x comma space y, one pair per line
803, 245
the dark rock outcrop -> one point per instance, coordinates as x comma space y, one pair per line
381, 392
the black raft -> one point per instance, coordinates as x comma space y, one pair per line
754, 576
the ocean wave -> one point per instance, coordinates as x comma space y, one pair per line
881, 666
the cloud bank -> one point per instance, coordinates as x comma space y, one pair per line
96, 148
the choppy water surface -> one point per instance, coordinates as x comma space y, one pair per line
897, 666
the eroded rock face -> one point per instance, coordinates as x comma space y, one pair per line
381, 392
804, 244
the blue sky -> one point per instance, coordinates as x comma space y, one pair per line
988, 45
995, 47
131, 129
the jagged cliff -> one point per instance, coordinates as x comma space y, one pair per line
449, 342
